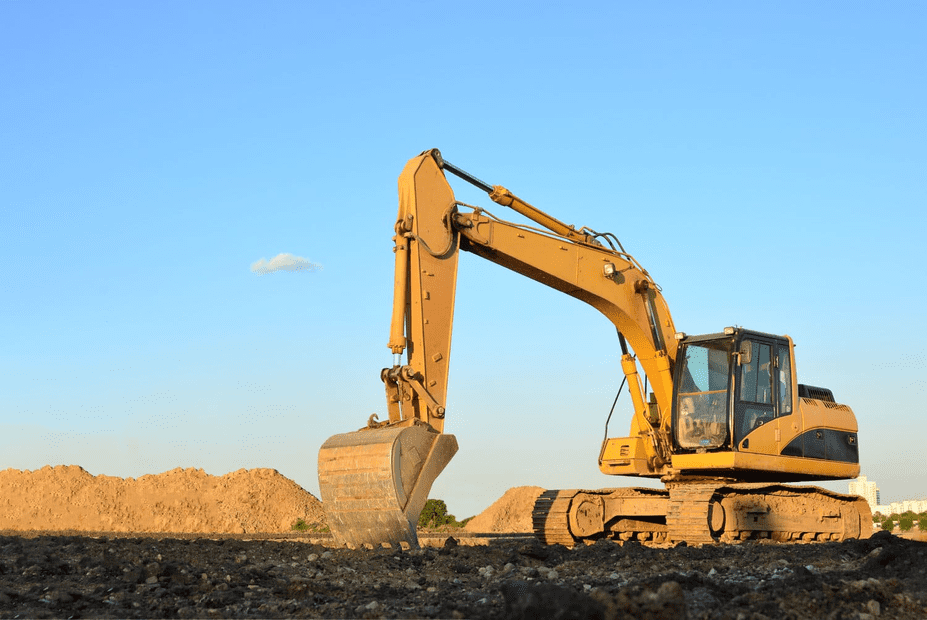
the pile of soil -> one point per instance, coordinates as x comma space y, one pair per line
510, 514
55, 576
177, 501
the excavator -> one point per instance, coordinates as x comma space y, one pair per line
720, 418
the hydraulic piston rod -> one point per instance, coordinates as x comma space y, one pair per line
504, 197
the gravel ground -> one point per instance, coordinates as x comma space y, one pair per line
150, 577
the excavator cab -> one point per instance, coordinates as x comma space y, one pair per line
737, 395
729, 385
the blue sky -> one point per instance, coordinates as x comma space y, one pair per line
766, 164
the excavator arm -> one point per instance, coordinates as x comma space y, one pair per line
374, 482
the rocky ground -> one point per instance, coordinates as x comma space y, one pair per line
44, 576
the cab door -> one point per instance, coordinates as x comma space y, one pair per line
782, 380
755, 399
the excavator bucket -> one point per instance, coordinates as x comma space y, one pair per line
375, 482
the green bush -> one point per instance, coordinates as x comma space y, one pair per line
435, 514
906, 523
300, 525
888, 525
922, 522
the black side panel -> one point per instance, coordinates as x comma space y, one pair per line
794, 448
824, 443
814, 444
841, 446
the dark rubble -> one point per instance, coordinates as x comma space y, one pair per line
86, 577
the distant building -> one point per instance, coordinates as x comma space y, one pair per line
916, 506
867, 490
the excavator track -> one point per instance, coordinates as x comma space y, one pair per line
550, 517
558, 513
692, 516
790, 513
705, 512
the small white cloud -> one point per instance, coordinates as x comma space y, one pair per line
283, 262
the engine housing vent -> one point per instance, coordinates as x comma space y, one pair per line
816, 393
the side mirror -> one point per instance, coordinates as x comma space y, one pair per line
746, 352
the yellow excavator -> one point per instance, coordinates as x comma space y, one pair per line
724, 423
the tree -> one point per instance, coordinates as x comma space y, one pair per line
922, 521
434, 514
906, 523
888, 525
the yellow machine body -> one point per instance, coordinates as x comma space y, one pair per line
722, 410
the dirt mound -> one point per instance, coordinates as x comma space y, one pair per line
510, 514
177, 501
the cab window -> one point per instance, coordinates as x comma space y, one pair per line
785, 381
701, 407
756, 376
755, 404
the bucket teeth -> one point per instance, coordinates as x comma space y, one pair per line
375, 482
